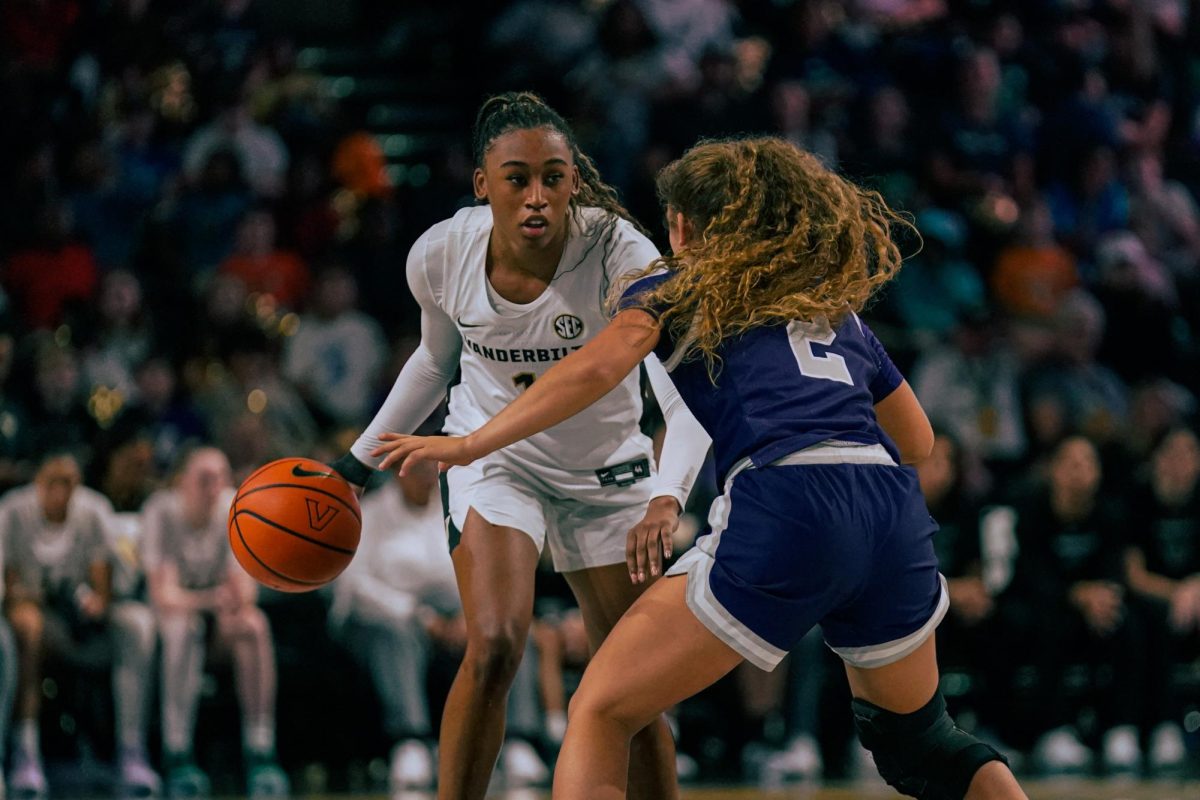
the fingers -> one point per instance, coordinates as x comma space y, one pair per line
654, 553
646, 551
631, 554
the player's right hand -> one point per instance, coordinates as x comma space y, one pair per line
648, 543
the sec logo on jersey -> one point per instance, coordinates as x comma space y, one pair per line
568, 326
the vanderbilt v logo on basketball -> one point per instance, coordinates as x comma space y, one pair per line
568, 326
319, 515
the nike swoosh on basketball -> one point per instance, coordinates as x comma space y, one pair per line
469, 325
301, 472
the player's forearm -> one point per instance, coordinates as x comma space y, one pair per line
571, 385
686, 442
418, 389
566, 389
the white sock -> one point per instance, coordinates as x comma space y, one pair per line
556, 726
259, 736
29, 737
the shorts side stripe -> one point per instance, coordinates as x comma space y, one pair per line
880, 655
698, 564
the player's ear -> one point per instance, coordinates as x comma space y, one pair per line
480, 182
575, 179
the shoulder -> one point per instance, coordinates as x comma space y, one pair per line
158, 502
634, 295
467, 223
91, 501
619, 240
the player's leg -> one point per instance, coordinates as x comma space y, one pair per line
246, 634
657, 655
28, 623
906, 720
182, 668
884, 633
134, 636
604, 594
8, 686
494, 566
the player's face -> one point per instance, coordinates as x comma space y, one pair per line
206, 476
528, 178
56, 482
1076, 467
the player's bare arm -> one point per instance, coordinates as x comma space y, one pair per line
567, 388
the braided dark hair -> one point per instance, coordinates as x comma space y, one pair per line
517, 111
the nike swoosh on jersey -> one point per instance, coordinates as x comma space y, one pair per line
468, 324
301, 472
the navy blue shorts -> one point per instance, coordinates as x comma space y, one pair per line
848, 546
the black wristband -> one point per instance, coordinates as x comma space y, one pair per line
353, 470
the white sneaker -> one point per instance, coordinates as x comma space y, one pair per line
1167, 748
1061, 751
1122, 753
412, 766
800, 760
686, 768
522, 765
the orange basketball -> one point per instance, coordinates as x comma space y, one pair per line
294, 524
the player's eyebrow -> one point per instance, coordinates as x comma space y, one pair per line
549, 161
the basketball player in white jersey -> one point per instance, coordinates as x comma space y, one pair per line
59, 602
507, 289
203, 599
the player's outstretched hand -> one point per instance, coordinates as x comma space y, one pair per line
648, 543
404, 450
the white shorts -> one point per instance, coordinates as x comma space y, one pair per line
584, 520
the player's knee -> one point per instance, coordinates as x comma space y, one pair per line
494, 653
922, 754
609, 707
27, 622
253, 623
177, 627
133, 626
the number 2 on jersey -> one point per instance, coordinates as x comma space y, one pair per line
524, 380
829, 367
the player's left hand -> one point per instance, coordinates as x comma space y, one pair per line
648, 543
404, 450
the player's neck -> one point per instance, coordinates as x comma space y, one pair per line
512, 258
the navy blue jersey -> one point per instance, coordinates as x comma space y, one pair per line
781, 388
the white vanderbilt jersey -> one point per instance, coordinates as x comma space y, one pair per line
506, 346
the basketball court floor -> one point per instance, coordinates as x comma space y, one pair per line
1054, 789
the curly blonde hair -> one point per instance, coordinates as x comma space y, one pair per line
778, 237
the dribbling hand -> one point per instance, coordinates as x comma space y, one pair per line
404, 450
648, 543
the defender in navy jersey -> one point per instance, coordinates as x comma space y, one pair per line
754, 317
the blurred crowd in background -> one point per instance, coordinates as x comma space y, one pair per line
206, 208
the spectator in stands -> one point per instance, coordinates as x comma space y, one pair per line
1162, 563
122, 335
337, 354
206, 603
8, 673
1070, 387
54, 277
206, 217
396, 603
1067, 593
16, 442
262, 266
58, 413
262, 154
166, 411
255, 413
970, 386
1034, 272
59, 602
